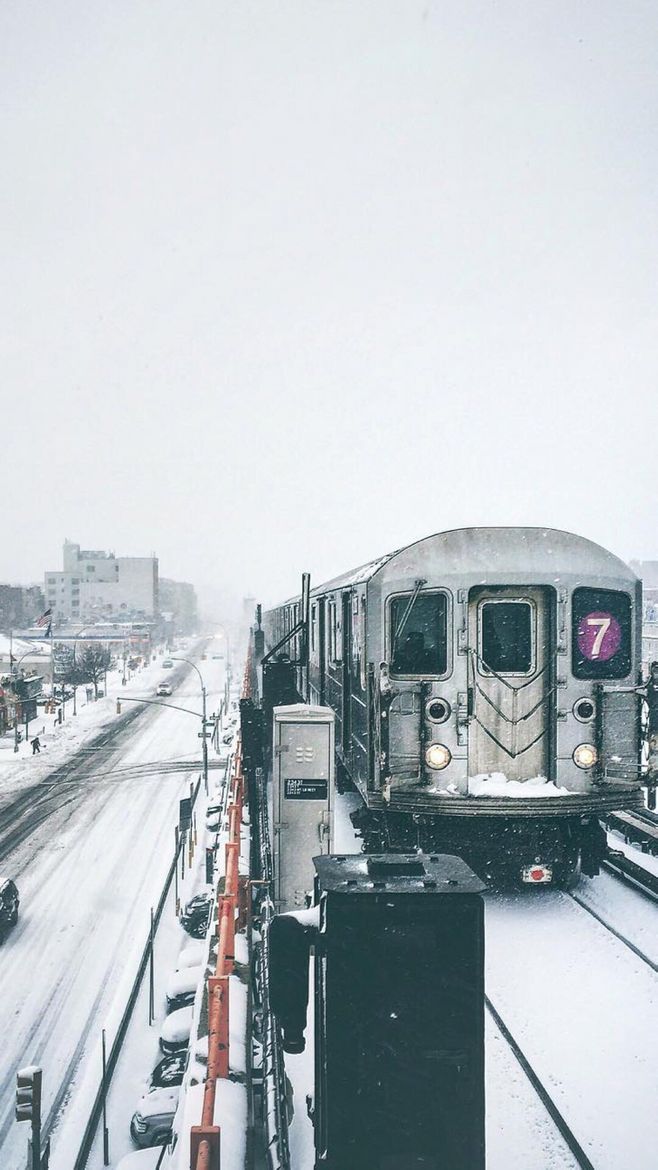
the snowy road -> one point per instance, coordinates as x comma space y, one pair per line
86, 895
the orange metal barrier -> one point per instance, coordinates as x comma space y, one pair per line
205, 1139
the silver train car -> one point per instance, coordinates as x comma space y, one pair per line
484, 682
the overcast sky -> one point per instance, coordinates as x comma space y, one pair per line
288, 284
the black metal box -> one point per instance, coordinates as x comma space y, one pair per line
399, 1042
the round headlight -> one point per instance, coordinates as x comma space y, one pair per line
437, 756
438, 710
584, 710
585, 755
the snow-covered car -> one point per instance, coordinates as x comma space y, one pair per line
196, 915
164, 689
146, 1159
152, 1120
175, 1031
169, 1071
181, 987
167, 664
192, 955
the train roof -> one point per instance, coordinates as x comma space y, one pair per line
489, 550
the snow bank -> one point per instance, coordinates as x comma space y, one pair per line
497, 784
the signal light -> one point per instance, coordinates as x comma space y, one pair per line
28, 1094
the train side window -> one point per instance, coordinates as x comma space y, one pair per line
419, 645
507, 641
362, 640
601, 638
331, 632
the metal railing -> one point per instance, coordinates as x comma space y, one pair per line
117, 1044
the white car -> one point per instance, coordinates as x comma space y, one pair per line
192, 955
146, 1159
154, 1116
181, 987
175, 1032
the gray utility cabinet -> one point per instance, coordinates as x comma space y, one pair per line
302, 798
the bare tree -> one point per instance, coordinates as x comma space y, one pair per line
92, 663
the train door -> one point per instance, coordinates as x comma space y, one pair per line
511, 683
347, 673
322, 646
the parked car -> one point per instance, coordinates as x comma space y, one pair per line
152, 1120
196, 915
175, 1032
181, 987
146, 1159
169, 1071
9, 903
192, 955
167, 664
164, 689
218, 655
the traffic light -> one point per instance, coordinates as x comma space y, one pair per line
28, 1094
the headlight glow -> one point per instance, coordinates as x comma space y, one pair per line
585, 755
437, 756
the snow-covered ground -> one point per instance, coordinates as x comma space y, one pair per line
574, 997
580, 1005
86, 895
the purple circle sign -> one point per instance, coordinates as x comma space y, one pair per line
599, 636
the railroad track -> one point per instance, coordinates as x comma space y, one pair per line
541, 1090
613, 930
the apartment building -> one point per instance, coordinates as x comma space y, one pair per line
95, 585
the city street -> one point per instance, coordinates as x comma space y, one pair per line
86, 889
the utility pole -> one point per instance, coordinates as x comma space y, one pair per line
205, 740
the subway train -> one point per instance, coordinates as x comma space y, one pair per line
485, 687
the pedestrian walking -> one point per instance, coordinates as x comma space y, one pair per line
36, 746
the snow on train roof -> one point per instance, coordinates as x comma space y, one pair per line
487, 550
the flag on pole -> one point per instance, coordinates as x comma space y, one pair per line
45, 620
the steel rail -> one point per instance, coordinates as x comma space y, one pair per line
542, 1092
612, 930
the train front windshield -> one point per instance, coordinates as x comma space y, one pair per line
419, 634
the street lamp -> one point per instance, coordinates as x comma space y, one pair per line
203, 717
186, 711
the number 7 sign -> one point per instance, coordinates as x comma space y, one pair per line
599, 636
